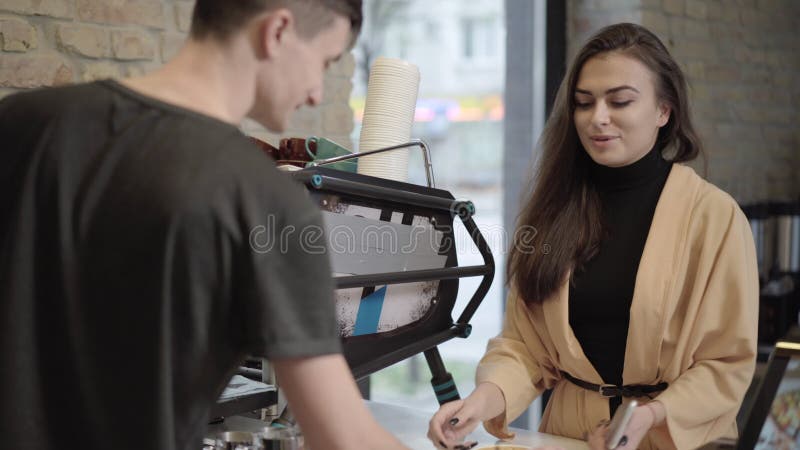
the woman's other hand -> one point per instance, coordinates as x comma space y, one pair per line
455, 420
643, 419
597, 438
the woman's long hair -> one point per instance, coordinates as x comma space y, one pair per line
560, 226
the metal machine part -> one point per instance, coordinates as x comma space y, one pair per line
788, 238
403, 210
413, 143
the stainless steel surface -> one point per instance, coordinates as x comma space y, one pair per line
360, 246
235, 440
233, 424
236, 423
279, 439
764, 236
789, 243
268, 377
413, 143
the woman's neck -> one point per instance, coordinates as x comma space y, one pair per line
635, 174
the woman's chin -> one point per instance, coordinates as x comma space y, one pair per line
606, 157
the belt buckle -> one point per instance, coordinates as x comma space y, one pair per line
601, 391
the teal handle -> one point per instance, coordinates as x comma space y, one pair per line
308, 149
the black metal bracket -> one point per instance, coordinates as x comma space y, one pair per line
437, 201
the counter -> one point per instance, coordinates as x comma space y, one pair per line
411, 427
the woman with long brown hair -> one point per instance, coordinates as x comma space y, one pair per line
631, 277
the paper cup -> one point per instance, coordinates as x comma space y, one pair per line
388, 117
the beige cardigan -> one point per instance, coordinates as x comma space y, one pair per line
693, 324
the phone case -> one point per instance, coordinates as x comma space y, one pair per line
619, 423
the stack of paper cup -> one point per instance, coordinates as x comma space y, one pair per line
388, 117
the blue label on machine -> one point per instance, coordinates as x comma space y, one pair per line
369, 313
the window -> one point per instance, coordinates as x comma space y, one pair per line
459, 113
479, 38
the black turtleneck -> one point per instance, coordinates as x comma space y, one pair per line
601, 294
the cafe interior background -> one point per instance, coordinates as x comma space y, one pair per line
489, 70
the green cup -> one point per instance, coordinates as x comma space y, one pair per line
328, 149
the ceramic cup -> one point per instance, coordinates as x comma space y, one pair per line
321, 148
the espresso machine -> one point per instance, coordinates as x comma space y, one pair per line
396, 272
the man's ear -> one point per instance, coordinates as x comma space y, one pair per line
273, 29
663, 114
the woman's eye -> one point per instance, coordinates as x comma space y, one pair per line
621, 104
582, 104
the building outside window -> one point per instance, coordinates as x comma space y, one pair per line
480, 41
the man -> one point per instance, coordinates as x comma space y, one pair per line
129, 290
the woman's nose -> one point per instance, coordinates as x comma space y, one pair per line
600, 114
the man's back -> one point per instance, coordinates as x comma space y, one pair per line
129, 286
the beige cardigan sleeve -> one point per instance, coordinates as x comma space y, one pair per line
720, 326
516, 362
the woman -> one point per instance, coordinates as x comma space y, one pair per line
640, 280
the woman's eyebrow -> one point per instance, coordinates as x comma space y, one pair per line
610, 91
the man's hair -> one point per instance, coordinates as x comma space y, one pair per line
221, 18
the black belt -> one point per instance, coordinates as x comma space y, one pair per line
610, 390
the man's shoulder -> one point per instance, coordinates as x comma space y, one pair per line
71, 105
255, 173
225, 166
56, 98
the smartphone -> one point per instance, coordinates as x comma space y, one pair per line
618, 424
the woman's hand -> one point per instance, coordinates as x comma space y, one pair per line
455, 420
597, 438
643, 419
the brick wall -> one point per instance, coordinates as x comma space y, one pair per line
54, 42
741, 60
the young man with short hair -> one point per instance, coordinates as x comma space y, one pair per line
130, 288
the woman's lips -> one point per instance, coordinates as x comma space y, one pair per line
603, 141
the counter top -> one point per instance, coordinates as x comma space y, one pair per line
411, 427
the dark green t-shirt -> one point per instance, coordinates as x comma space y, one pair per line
144, 251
